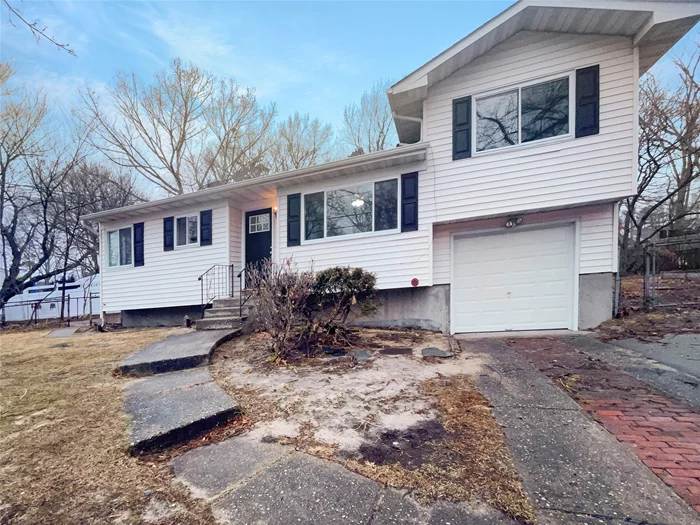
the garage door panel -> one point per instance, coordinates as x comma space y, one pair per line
521, 280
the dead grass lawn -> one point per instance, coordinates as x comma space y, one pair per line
63, 436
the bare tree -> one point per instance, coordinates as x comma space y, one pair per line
301, 142
369, 126
38, 31
36, 236
669, 162
90, 188
181, 132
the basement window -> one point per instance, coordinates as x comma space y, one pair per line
120, 247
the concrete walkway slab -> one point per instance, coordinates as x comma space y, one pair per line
211, 470
176, 352
170, 409
63, 332
168, 381
570, 466
301, 489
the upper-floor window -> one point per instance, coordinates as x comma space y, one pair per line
351, 210
120, 247
524, 114
187, 230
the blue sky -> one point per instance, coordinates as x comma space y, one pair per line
312, 57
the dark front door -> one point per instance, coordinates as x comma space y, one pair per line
258, 236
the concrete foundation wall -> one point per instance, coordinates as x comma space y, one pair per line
172, 316
595, 299
427, 308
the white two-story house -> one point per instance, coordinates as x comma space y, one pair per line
498, 210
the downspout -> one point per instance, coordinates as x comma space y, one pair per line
410, 119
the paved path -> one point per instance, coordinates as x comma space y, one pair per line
173, 407
661, 431
573, 470
63, 332
176, 352
248, 481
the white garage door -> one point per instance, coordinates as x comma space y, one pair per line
520, 280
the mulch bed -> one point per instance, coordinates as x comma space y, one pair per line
663, 432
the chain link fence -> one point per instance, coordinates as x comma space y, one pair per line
670, 276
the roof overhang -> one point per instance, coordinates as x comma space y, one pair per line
266, 187
654, 26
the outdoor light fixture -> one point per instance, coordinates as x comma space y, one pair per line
358, 202
514, 221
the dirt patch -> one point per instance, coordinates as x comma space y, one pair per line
405, 421
467, 455
63, 433
651, 326
410, 448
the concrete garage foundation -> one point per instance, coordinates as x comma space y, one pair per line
427, 308
595, 299
160, 316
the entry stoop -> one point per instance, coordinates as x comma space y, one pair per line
225, 314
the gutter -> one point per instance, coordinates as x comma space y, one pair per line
269, 179
410, 119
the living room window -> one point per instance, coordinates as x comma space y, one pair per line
351, 210
187, 230
528, 113
120, 247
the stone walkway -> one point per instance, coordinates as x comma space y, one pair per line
663, 432
573, 470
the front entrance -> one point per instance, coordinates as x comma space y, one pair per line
258, 236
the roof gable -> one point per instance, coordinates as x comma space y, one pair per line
654, 26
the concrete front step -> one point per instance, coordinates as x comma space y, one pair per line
220, 323
176, 352
227, 302
173, 408
221, 311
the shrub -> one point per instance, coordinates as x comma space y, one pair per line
282, 294
336, 293
296, 308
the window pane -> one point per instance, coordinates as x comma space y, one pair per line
349, 211
545, 110
313, 216
181, 231
192, 230
497, 121
125, 246
386, 204
113, 248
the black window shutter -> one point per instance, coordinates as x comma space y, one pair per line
409, 202
462, 128
168, 234
294, 219
138, 244
587, 101
205, 228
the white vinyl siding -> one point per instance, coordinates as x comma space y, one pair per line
597, 247
236, 243
395, 257
166, 278
551, 173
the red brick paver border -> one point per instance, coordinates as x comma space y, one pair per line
663, 432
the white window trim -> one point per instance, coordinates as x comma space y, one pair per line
571, 75
133, 254
372, 233
187, 245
